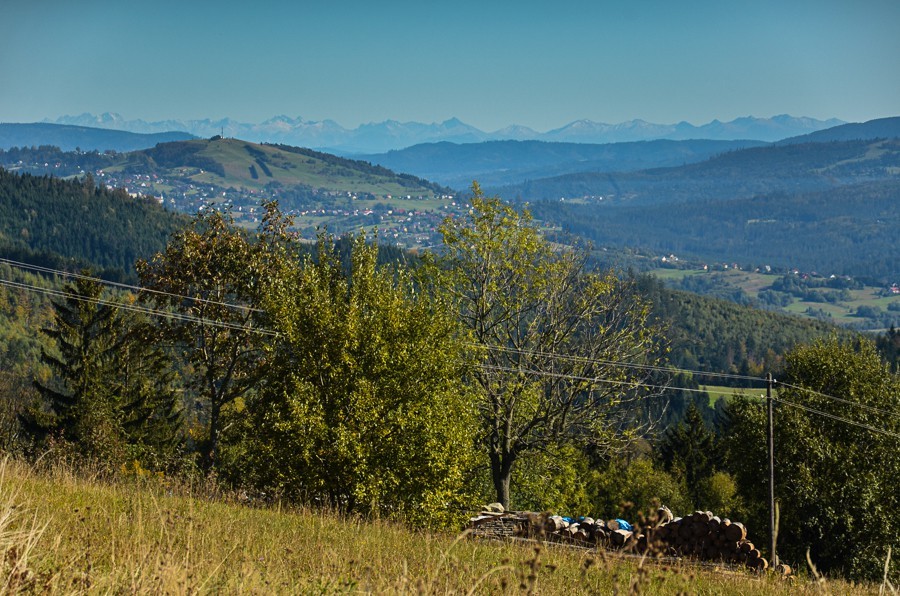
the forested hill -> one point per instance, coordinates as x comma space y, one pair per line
882, 128
715, 335
495, 163
734, 175
55, 222
85, 138
847, 230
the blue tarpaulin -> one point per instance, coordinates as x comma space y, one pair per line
624, 525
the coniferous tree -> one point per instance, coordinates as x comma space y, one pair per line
110, 394
78, 403
687, 450
151, 409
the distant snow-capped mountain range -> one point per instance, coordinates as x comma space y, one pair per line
391, 134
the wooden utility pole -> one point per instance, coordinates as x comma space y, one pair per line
769, 406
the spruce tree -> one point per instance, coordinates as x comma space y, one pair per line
78, 402
111, 392
687, 450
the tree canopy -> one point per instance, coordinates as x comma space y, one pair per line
550, 336
365, 409
838, 483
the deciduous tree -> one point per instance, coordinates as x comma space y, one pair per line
838, 483
210, 277
365, 409
557, 345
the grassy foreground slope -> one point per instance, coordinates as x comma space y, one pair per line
61, 533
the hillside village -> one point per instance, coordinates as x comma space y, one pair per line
406, 221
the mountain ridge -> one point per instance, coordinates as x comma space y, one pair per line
792, 168
377, 137
68, 137
513, 161
879, 128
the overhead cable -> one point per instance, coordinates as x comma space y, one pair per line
838, 418
119, 285
841, 400
137, 308
618, 363
670, 388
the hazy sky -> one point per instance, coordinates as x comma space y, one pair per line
489, 63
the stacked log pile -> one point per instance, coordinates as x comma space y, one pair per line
701, 536
492, 524
705, 536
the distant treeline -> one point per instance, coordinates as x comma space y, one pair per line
49, 159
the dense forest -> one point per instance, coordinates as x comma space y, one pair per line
72, 222
848, 230
715, 335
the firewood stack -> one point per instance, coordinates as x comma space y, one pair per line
585, 531
701, 535
495, 522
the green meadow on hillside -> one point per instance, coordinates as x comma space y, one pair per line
844, 311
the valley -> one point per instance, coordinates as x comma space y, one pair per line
743, 260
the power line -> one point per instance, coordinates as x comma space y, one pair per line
119, 285
680, 370
669, 388
589, 379
540, 353
617, 363
251, 309
238, 327
136, 308
839, 418
842, 400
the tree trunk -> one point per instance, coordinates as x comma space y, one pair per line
213, 444
501, 469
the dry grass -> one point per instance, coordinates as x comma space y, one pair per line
64, 533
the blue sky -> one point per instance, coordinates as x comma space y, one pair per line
491, 64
